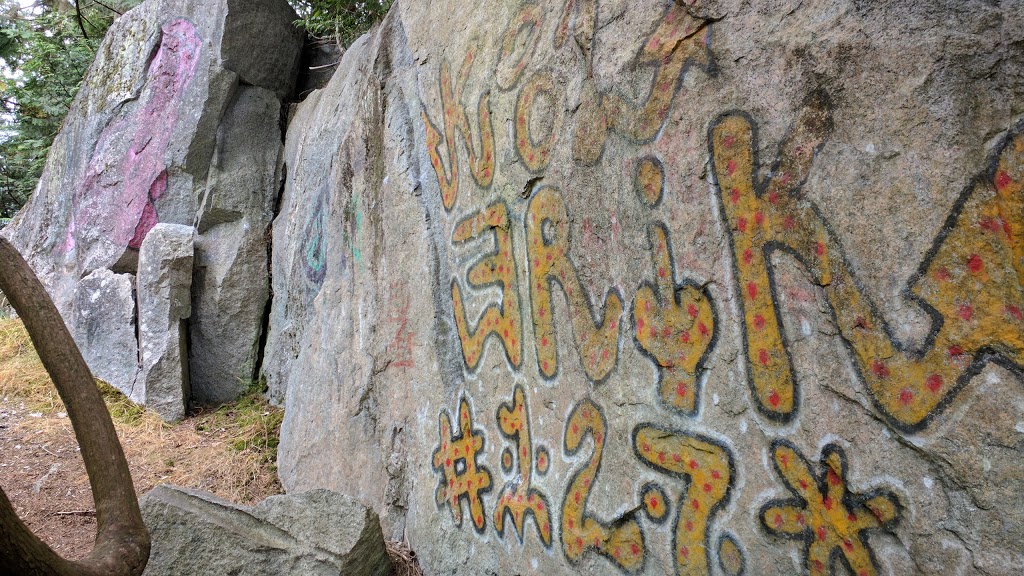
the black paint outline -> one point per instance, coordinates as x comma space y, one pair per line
506, 454
626, 517
736, 543
513, 484
481, 433
542, 450
759, 188
655, 488
687, 481
490, 234
553, 280
653, 159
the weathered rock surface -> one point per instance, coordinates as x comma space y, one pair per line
165, 303
597, 286
232, 285
318, 532
259, 42
149, 139
103, 316
666, 287
319, 142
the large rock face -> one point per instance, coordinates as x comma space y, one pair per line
183, 92
664, 287
693, 287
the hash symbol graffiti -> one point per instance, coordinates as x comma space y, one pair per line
461, 477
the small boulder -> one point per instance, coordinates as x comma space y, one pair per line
332, 522
164, 286
103, 325
318, 532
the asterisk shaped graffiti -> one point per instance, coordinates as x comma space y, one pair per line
832, 521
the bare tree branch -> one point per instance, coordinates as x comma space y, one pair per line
122, 541
78, 17
108, 7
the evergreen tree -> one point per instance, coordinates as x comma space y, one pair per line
345, 20
45, 49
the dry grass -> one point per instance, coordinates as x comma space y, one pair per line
21, 373
403, 559
230, 451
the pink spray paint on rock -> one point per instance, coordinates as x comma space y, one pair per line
117, 202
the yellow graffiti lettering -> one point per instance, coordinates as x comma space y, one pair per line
679, 40
502, 320
707, 467
825, 514
649, 181
518, 44
536, 153
675, 326
730, 556
518, 499
620, 540
456, 461
547, 237
580, 18
456, 123
970, 283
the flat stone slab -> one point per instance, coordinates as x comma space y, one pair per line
316, 532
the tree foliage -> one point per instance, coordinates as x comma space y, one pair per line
45, 50
345, 20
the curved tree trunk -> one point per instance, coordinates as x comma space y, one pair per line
122, 542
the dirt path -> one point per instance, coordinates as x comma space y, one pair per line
230, 451
43, 475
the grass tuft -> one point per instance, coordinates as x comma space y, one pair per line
122, 410
252, 424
